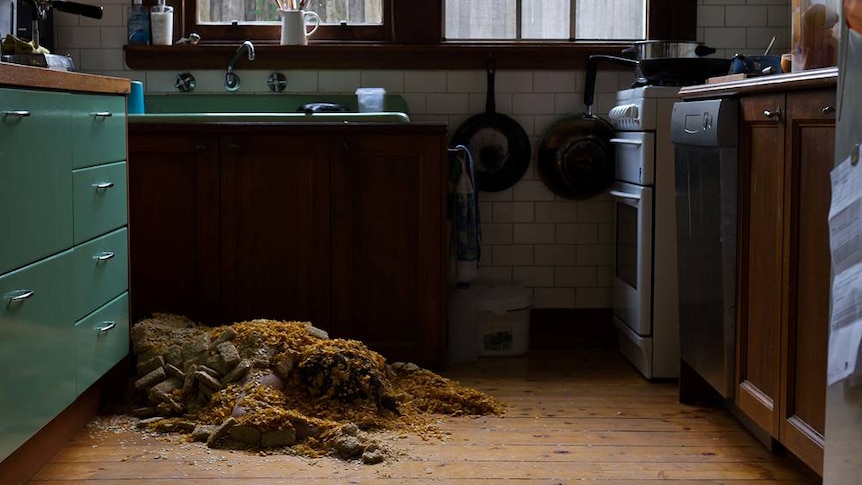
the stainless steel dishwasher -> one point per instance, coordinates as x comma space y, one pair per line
705, 135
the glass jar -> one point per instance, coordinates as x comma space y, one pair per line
815, 30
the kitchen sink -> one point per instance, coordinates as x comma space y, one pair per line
383, 117
215, 108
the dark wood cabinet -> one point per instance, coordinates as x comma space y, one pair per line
787, 147
175, 237
275, 227
388, 243
340, 225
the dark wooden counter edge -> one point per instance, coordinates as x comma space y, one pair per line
813, 79
41, 78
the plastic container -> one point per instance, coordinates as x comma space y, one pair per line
162, 21
815, 31
138, 24
503, 319
463, 327
136, 98
370, 99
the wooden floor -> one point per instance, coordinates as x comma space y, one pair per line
575, 417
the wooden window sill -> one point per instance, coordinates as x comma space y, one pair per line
324, 55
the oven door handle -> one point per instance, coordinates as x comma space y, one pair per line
624, 195
626, 141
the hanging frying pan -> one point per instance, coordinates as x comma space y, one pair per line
499, 145
575, 157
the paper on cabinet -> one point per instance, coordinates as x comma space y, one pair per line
845, 241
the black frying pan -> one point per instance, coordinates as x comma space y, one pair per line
499, 145
575, 158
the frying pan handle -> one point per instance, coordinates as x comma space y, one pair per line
592, 65
92, 11
702, 50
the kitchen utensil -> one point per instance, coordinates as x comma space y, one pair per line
575, 157
499, 145
769, 47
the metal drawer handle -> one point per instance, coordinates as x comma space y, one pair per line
17, 113
103, 256
624, 195
103, 114
17, 296
103, 185
827, 110
626, 141
773, 114
108, 325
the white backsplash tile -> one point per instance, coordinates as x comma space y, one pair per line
555, 254
575, 276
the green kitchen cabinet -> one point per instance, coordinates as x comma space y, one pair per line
35, 176
100, 271
37, 380
99, 200
63, 252
98, 129
101, 340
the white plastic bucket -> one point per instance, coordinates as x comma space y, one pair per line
503, 319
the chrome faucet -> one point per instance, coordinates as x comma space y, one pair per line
231, 80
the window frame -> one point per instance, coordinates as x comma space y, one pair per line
415, 41
345, 33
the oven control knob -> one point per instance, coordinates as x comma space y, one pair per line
624, 112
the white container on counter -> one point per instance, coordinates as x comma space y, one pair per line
162, 22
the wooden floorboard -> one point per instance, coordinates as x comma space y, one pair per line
574, 417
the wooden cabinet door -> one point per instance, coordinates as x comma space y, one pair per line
761, 246
388, 196
810, 148
174, 223
275, 226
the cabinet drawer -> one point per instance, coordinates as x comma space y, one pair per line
36, 361
98, 129
99, 272
35, 177
100, 200
101, 340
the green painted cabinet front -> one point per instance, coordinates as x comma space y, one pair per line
99, 200
99, 272
98, 129
37, 378
35, 176
101, 340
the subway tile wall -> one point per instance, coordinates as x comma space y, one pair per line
562, 250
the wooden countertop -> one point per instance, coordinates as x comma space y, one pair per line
813, 79
38, 77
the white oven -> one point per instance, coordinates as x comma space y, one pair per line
645, 309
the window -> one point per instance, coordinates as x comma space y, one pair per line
545, 19
332, 12
258, 19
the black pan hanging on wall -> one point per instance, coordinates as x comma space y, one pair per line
575, 158
499, 145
